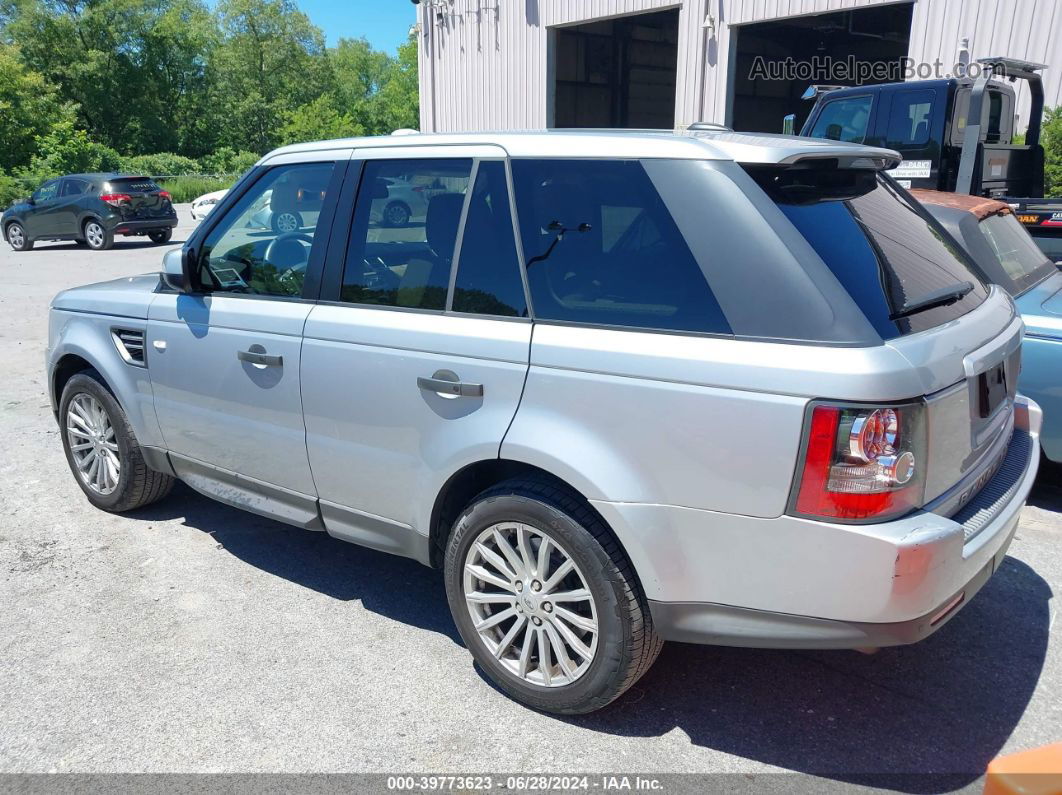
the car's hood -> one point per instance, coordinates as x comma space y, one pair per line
1041, 308
127, 297
218, 194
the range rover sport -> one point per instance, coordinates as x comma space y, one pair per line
620, 388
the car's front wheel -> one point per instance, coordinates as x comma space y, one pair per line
160, 236
285, 222
396, 214
546, 600
102, 449
16, 237
97, 236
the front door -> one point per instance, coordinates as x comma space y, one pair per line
40, 221
414, 364
224, 361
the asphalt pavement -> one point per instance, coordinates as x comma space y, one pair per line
192, 637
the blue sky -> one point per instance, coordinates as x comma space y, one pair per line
384, 23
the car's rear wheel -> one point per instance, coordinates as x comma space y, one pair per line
546, 600
286, 222
160, 236
97, 236
102, 450
16, 237
396, 214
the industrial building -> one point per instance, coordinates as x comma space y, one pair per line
529, 64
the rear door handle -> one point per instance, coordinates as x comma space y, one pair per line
252, 357
446, 383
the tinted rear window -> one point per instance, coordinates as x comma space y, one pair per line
880, 246
133, 185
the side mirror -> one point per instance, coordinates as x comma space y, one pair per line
31, 201
174, 273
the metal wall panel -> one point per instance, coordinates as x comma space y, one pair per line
484, 64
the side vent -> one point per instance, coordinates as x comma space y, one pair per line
130, 344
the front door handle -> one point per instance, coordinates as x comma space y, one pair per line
445, 382
253, 357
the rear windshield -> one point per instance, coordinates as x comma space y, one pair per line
890, 258
1024, 264
133, 185
1049, 241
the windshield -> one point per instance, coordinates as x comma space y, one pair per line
1024, 264
885, 252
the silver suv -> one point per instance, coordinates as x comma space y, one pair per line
620, 388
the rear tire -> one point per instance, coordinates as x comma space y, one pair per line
16, 237
97, 236
94, 427
600, 620
160, 237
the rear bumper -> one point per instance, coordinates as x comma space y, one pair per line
141, 226
794, 583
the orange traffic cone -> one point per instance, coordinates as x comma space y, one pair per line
1035, 772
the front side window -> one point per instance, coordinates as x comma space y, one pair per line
910, 118
1024, 264
488, 271
46, 191
843, 120
888, 256
404, 233
601, 247
262, 245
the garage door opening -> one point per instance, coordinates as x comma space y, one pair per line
617, 73
870, 35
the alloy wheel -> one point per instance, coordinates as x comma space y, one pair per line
15, 236
530, 604
286, 222
397, 215
93, 444
94, 234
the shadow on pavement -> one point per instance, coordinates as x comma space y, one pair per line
921, 718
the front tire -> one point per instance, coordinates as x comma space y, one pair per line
16, 237
97, 236
286, 222
396, 214
160, 237
546, 600
102, 449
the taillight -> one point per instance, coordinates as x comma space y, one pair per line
862, 462
115, 199
165, 194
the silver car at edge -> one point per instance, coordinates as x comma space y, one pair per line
620, 387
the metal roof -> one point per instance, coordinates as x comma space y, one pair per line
692, 145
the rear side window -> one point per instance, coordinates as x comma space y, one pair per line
75, 187
1024, 264
404, 235
132, 185
910, 118
843, 120
882, 249
601, 247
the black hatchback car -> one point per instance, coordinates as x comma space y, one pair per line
91, 209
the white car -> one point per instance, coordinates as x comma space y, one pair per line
202, 206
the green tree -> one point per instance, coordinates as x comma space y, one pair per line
270, 61
29, 106
318, 120
379, 91
1051, 139
66, 150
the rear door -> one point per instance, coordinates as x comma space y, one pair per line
224, 360
68, 207
415, 358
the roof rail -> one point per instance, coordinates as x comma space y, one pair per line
708, 126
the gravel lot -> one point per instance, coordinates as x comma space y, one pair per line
191, 637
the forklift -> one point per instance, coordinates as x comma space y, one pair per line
955, 135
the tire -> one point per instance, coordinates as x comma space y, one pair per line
97, 236
136, 484
16, 237
161, 237
614, 656
285, 222
396, 214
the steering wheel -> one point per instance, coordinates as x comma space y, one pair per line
289, 273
